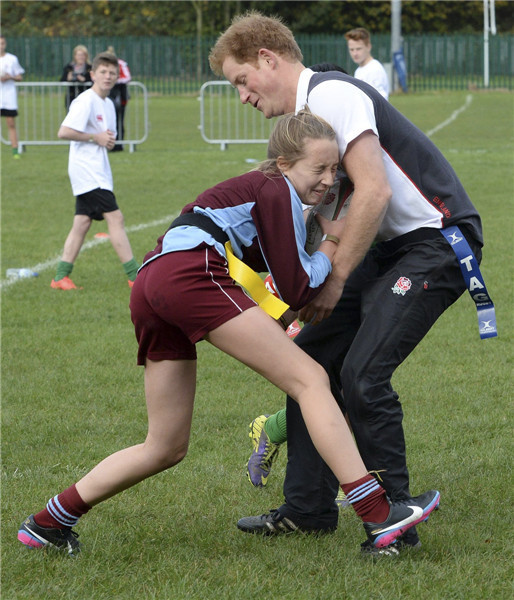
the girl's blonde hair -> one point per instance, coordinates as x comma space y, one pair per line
287, 140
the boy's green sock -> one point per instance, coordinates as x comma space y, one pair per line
131, 268
276, 427
63, 270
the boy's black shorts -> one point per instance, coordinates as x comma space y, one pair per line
95, 203
9, 112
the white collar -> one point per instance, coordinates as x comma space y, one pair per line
302, 88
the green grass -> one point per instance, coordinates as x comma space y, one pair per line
71, 394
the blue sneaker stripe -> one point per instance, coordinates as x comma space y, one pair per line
434, 502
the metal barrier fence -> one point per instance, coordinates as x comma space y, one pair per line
224, 120
42, 108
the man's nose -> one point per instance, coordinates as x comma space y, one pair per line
243, 95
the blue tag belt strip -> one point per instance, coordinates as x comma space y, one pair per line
474, 281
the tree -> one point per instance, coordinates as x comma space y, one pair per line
190, 17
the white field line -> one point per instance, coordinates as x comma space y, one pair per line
52, 262
452, 117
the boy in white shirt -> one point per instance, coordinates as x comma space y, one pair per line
90, 125
10, 72
370, 69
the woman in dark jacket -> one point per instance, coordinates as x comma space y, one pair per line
78, 72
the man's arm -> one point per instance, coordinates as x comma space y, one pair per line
364, 166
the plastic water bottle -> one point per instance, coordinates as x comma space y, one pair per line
21, 273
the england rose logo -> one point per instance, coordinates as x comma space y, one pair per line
402, 286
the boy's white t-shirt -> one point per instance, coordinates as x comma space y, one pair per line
374, 74
9, 65
88, 164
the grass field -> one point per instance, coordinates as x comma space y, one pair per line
71, 394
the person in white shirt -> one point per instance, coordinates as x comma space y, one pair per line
370, 69
10, 72
90, 125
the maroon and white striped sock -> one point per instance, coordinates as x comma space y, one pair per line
63, 510
368, 499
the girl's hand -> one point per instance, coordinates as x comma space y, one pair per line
331, 227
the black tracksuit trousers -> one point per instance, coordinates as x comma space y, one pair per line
372, 329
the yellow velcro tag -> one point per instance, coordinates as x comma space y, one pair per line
249, 279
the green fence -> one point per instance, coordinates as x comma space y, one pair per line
179, 65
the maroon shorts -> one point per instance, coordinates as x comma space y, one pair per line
178, 298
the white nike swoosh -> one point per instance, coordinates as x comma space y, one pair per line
417, 513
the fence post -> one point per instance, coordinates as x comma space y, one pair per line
224, 120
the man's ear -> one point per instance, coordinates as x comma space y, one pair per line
267, 56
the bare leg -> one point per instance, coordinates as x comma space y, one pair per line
118, 235
75, 239
257, 340
170, 390
13, 135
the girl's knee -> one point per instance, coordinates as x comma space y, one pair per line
177, 456
315, 378
166, 458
